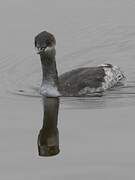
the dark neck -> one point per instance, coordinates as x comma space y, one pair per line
49, 68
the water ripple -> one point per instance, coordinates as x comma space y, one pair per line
104, 44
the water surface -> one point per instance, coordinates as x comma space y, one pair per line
96, 134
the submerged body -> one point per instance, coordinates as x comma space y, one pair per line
89, 80
78, 82
85, 81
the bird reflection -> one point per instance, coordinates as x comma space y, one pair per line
48, 138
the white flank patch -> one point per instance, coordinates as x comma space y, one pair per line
113, 76
88, 90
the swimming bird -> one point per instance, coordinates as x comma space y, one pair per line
84, 81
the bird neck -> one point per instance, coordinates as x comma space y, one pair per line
49, 85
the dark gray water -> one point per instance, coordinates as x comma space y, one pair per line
96, 134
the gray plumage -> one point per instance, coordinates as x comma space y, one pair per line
72, 82
77, 82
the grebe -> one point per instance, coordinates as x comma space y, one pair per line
83, 81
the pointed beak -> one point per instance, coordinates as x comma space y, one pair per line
40, 50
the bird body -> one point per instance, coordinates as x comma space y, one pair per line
88, 80
77, 82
